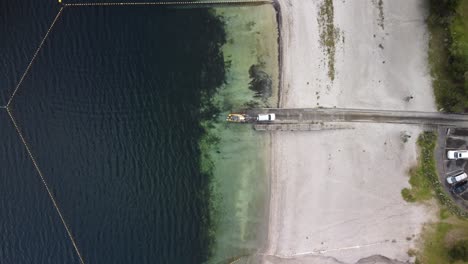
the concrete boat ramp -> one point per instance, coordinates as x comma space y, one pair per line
311, 119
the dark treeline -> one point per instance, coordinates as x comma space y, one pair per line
449, 53
443, 7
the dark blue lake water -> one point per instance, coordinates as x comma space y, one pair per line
111, 111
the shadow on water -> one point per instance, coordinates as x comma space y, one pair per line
111, 110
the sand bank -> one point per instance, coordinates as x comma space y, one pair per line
337, 193
375, 66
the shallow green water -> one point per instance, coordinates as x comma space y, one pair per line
238, 161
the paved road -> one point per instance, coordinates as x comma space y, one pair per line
314, 115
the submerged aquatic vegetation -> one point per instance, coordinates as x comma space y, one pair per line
234, 154
261, 83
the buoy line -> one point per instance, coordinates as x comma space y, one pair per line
34, 57
223, 2
49, 192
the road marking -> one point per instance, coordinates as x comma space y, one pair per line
321, 252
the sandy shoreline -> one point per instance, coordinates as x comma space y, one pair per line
335, 196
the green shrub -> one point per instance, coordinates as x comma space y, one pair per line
407, 195
448, 53
459, 251
424, 172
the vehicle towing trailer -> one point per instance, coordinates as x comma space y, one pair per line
244, 118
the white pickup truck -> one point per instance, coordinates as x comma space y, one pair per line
266, 117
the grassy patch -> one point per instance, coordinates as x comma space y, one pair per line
459, 44
434, 250
445, 242
379, 5
420, 180
447, 98
422, 175
459, 251
448, 53
329, 34
381, 14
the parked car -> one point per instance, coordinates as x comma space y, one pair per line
457, 154
457, 178
460, 187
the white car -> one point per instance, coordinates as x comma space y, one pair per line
457, 154
266, 117
457, 178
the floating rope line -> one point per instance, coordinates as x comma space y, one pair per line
10, 114
41, 44
45, 184
33, 58
222, 2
